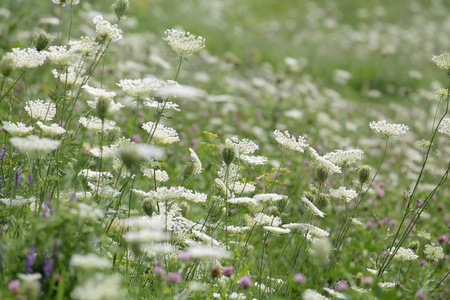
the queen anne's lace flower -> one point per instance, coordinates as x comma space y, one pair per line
143, 87
404, 254
290, 142
39, 110
277, 230
95, 124
434, 252
197, 162
162, 134
445, 126
105, 28
344, 158
311, 229
34, 145
442, 61
53, 129
389, 131
343, 193
26, 58
323, 162
312, 295
312, 208
98, 93
184, 43
16, 129
71, 77
86, 45
60, 56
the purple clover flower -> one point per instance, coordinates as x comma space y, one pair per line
30, 259
245, 281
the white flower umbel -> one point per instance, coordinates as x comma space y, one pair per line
100, 286
290, 142
243, 188
311, 229
241, 200
144, 236
387, 286
158, 175
143, 87
445, 126
33, 145
89, 261
442, 61
96, 93
312, 295
94, 175
434, 252
263, 219
16, 129
244, 147
389, 131
277, 230
53, 129
94, 124
344, 158
86, 45
40, 110
26, 58
169, 194
72, 76
184, 43
59, 55
17, 201
105, 28
267, 197
404, 254
197, 162
323, 162
207, 252
65, 2
162, 134
168, 105
312, 208
343, 193
180, 91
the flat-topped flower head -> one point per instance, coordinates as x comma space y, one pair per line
344, 158
442, 61
61, 56
184, 43
25, 58
16, 129
106, 29
343, 193
161, 133
33, 145
40, 110
445, 126
290, 142
143, 87
389, 131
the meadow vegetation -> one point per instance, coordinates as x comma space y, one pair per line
214, 149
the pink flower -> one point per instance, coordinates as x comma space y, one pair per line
299, 278
174, 277
228, 271
14, 286
245, 281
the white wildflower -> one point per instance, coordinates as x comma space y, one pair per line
105, 28
434, 252
168, 105
89, 261
321, 161
243, 146
312, 295
40, 110
158, 175
143, 87
290, 142
344, 158
334, 293
86, 45
72, 77
98, 93
254, 160
94, 124
207, 252
442, 61
33, 145
60, 56
423, 234
100, 286
16, 129
389, 131
312, 208
162, 134
144, 236
25, 58
267, 197
237, 229
53, 129
158, 248
263, 219
277, 230
85, 211
404, 254
241, 200
445, 126
94, 175
311, 229
197, 162
343, 193
17, 201
387, 286
184, 43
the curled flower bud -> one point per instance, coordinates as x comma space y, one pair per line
321, 174
322, 201
189, 169
120, 8
149, 206
364, 173
185, 208
42, 39
102, 107
228, 155
8, 65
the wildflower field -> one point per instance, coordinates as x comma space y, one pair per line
207, 149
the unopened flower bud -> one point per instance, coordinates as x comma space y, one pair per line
215, 271
121, 8
42, 39
189, 169
149, 206
228, 155
321, 174
273, 211
215, 212
102, 107
185, 208
8, 65
364, 173
322, 201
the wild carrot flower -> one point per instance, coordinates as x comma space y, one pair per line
40, 110
89, 261
344, 158
290, 142
389, 131
434, 252
86, 45
25, 58
343, 193
63, 57
72, 77
53, 129
100, 286
161, 133
442, 61
312, 208
94, 124
33, 145
404, 254
277, 230
105, 28
387, 286
184, 43
197, 162
312, 295
16, 129
445, 126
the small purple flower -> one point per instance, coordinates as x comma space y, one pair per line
48, 267
228, 271
245, 281
3, 152
30, 259
299, 278
30, 178
342, 286
17, 178
14, 286
159, 271
421, 294
174, 277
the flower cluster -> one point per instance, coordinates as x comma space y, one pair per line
343, 193
184, 43
442, 61
344, 158
290, 142
445, 126
105, 28
25, 58
389, 131
40, 110
161, 133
